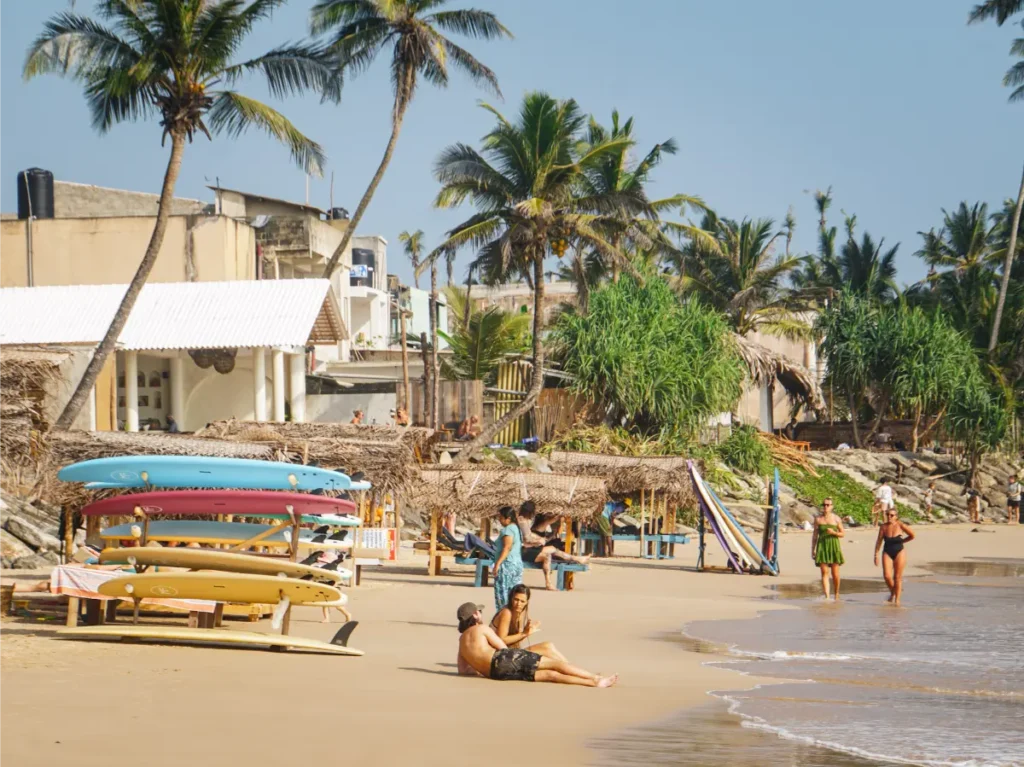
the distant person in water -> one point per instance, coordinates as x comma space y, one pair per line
892, 534
825, 548
482, 653
514, 626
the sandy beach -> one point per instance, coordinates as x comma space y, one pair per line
69, 702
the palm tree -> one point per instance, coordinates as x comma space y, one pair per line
525, 184
479, 345
864, 270
732, 266
1002, 10
413, 244
165, 58
362, 29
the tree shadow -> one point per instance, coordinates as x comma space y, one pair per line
427, 623
430, 671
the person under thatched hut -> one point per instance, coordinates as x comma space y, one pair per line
538, 549
357, 417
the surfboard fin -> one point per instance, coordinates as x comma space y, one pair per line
342, 637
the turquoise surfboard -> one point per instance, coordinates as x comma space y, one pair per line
204, 471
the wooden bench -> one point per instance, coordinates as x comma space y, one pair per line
659, 545
483, 569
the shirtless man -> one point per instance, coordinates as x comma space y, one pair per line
482, 653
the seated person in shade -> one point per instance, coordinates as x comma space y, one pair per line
513, 625
401, 417
172, 425
482, 653
469, 429
544, 526
357, 417
537, 549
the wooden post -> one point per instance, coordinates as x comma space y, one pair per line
69, 545
570, 583
427, 416
73, 607
643, 533
286, 624
432, 566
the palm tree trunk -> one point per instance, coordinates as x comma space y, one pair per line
106, 346
396, 126
536, 382
434, 371
407, 386
416, 272
915, 436
878, 417
935, 422
853, 421
467, 311
427, 417
1007, 266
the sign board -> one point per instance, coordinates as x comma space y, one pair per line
384, 538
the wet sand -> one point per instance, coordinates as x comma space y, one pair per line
66, 702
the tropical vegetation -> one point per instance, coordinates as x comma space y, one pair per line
480, 339
175, 60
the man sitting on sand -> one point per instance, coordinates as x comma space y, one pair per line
482, 653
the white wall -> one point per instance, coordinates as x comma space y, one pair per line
337, 408
154, 389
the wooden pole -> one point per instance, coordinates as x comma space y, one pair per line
427, 416
643, 532
432, 551
570, 583
405, 363
69, 540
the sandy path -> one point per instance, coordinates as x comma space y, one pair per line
67, 703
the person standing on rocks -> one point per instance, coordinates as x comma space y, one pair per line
1013, 493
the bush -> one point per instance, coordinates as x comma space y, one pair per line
745, 451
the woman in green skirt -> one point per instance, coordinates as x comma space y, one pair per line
825, 548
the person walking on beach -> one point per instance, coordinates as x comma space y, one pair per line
892, 534
508, 567
482, 653
513, 625
974, 505
825, 548
883, 494
929, 498
1013, 492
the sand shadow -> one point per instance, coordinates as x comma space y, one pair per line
47, 631
427, 623
430, 671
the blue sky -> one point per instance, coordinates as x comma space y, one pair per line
897, 105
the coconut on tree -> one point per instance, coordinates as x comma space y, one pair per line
413, 30
175, 60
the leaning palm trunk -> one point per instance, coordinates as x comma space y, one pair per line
1007, 266
396, 127
406, 385
536, 382
434, 369
853, 421
106, 346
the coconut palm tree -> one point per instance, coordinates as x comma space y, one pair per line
864, 270
732, 266
479, 345
413, 244
1001, 11
360, 30
173, 59
525, 184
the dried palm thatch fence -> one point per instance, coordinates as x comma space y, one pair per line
26, 375
383, 454
477, 492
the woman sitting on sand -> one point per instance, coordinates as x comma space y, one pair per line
891, 537
825, 548
512, 623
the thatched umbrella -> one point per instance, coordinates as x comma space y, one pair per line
765, 366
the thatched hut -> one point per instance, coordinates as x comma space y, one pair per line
477, 492
765, 366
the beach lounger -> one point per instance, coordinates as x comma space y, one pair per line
483, 568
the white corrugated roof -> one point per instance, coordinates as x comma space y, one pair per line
175, 315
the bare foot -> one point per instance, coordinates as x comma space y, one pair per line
608, 681
326, 620
583, 560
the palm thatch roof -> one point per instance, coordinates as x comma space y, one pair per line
478, 492
417, 439
383, 454
627, 474
765, 366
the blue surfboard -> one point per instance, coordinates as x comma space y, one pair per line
204, 471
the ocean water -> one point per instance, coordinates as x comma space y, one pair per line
938, 681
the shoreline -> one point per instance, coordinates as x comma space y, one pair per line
403, 700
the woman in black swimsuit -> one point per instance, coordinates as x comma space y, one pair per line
892, 534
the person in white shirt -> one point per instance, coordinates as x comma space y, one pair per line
883, 497
1013, 493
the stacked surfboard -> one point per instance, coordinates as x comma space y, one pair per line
743, 555
205, 559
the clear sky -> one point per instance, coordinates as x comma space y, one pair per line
897, 105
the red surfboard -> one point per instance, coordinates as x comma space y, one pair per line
255, 503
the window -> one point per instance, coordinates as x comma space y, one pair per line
154, 380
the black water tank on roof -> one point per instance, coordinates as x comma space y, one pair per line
362, 261
35, 193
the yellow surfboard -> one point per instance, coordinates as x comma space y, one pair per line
221, 587
182, 634
213, 559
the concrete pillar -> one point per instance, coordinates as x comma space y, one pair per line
92, 409
131, 391
297, 386
259, 384
177, 403
277, 357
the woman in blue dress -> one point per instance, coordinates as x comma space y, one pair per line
508, 567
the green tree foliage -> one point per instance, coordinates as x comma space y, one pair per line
848, 328
479, 346
651, 362
977, 417
176, 60
746, 451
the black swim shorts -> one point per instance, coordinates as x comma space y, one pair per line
514, 665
